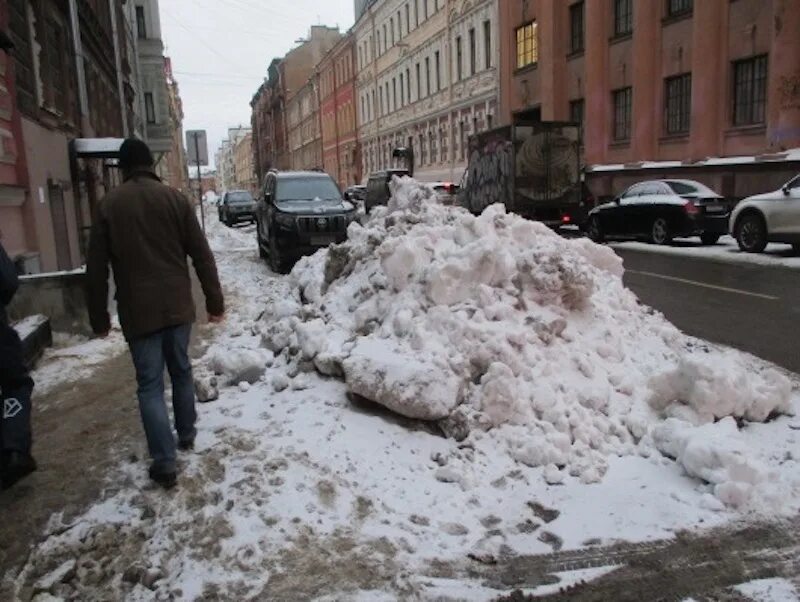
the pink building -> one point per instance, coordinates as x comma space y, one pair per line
660, 80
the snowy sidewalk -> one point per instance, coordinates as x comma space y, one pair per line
298, 490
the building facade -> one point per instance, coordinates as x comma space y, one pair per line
672, 80
303, 127
225, 160
427, 78
337, 82
174, 166
54, 98
243, 170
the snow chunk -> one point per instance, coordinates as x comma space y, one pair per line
394, 377
237, 365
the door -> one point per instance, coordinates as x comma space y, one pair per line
618, 217
647, 207
785, 218
58, 214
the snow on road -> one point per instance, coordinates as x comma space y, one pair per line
298, 490
726, 250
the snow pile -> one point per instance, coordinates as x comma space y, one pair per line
496, 325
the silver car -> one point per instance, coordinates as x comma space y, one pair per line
770, 217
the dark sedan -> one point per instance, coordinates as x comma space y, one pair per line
660, 210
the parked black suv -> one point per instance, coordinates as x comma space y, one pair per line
299, 212
378, 187
237, 206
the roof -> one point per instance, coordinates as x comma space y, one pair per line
301, 174
787, 156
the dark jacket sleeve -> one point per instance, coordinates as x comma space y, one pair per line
97, 274
203, 260
9, 282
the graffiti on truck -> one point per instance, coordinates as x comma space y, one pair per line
489, 172
547, 163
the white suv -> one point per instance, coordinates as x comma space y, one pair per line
770, 217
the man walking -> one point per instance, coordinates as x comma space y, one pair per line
146, 230
16, 387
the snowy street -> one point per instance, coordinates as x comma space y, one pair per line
539, 428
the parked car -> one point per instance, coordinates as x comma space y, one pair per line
378, 187
355, 193
299, 212
770, 217
237, 206
660, 210
446, 192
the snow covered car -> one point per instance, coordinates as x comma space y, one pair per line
770, 217
298, 213
660, 210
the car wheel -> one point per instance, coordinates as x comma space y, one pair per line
594, 230
276, 264
751, 233
709, 239
659, 233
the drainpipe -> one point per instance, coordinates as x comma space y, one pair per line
112, 6
83, 98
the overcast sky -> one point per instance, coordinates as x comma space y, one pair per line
221, 49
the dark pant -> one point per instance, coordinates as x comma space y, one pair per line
16, 388
150, 354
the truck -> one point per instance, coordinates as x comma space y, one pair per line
532, 167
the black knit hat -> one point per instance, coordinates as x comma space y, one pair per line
134, 153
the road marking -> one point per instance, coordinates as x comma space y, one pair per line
704, 285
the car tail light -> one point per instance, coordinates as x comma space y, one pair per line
691, 208
566, 219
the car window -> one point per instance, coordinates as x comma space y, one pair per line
307, 189
794, 183
634, 190
681, 188
240, 197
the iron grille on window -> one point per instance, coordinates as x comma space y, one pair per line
678, 105
749, 90
576, 13
679, 7
527, 45
622, 113
623, 17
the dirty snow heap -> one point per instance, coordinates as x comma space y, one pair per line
496, 327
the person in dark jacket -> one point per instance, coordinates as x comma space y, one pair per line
16, 387
146, 230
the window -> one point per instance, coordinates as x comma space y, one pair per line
487, 44
679, 7
427, 76
399, 26
623, 17
54, 55
149, 107
380, 94
527, 45
385, 39
459, 60
473, 52
678, 103
378, 48
363, 110
387, 98
419, 83
408, 19
749, 90
576, 112
141, 23
438, 71
425, 4
402, 92
391, 27
576, 27
432, 143
416, 13
408, 84
622, 113
394, 93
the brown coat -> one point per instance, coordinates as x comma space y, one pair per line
146, 230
